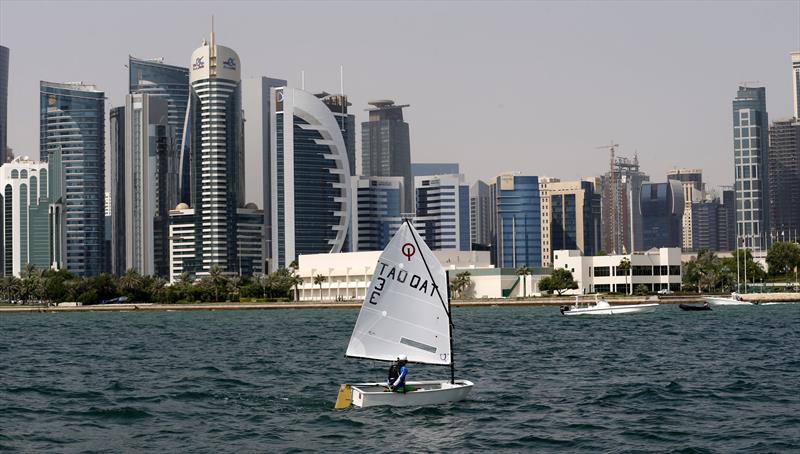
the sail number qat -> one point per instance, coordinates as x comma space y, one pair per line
387, 272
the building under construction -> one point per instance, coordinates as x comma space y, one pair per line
621, 215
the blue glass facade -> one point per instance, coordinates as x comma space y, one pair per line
661, 205
4, 53
518, 221
171, 82
315, 194
377, 210
72, 119
442, 216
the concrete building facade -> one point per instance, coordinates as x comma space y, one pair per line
751, 166
656, 269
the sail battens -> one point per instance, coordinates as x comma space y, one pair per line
403, 312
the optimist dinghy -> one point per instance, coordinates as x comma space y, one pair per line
406, 312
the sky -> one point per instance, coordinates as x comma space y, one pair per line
533, 87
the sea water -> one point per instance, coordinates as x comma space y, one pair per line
266, 381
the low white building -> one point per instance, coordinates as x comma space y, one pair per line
348, 274
656, 269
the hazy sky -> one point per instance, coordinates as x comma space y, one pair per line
528, 86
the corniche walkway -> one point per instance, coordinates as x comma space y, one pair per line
553, 301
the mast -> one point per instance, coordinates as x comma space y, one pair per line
450, 325
445, 306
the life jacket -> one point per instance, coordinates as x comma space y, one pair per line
394, 372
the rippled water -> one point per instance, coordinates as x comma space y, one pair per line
266, 381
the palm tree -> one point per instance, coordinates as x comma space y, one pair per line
296, 281
318, 280
217, 280
524, 271
625, 266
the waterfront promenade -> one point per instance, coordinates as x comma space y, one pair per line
533, 301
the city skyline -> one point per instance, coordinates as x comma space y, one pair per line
607, 62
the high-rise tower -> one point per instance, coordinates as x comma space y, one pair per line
72, 121
796, 84
750, 150
216, 130
3, 103
222, 222
310, 178
386, 149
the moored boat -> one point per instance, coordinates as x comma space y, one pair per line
734, 300
695, 307
602, 307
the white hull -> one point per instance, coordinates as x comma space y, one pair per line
612, 310
426, 393
723, 301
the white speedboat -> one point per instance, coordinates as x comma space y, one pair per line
406, 312
602, 307
734, 300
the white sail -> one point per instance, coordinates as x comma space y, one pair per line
406, 309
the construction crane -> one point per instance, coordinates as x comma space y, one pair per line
616, 233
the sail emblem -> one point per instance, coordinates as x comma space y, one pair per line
409, 250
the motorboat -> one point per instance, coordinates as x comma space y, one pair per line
695, 307
602, 307
406, 312
734, 300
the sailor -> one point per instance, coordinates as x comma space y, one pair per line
397, 375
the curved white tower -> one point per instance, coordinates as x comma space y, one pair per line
311, 191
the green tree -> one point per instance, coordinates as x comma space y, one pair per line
280, 282
461, 282
560, 281
749, 269
131, 283
783, 257
642, 289
318, 280
523, 272
624, 267
32, 284
215, 282
105, 285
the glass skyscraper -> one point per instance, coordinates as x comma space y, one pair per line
568, 217
661, 205
784, 179
156, 78
72, 121
796, 84
442, 215
116, 127
4, 53
385, 146
377, 211
311, 188
751, 166
519, 240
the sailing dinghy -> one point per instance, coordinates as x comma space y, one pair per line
406, 312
